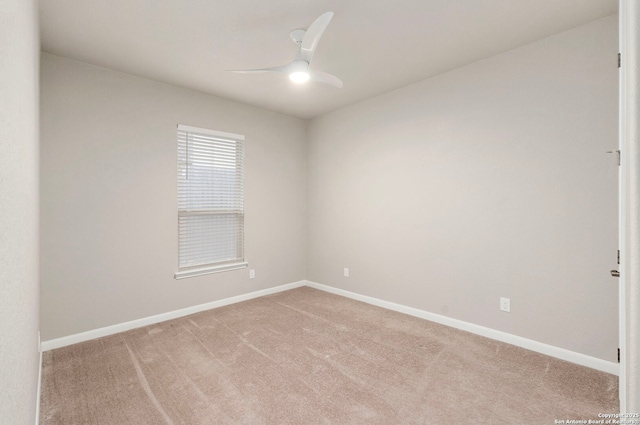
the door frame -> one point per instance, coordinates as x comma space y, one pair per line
629, 204
622, 198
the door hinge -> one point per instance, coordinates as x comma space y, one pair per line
617, 152
618, 355
619, 60
618, 256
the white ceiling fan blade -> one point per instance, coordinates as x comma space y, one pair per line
284, 69
313, 34
323, 77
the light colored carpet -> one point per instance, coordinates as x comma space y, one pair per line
308, 357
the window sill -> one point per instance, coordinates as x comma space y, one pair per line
182, 274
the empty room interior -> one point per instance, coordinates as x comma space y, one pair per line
317, 212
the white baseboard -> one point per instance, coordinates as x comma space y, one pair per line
39, 390
121, 327
549, 350
539, 347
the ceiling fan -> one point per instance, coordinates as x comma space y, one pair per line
299, 70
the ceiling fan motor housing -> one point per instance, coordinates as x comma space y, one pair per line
298, 35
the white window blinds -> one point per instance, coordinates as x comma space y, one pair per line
210, 201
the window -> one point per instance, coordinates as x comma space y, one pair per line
210, 201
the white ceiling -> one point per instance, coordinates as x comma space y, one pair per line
374, 46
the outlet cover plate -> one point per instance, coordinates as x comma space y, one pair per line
505, 304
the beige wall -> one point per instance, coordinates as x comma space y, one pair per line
109, 220
489, 181
19, 289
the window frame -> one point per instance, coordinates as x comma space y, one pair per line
185, 271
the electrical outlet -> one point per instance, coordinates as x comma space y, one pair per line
252, 274
505, 304
346, 272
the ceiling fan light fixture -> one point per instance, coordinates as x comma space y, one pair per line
299, 77
306, 43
